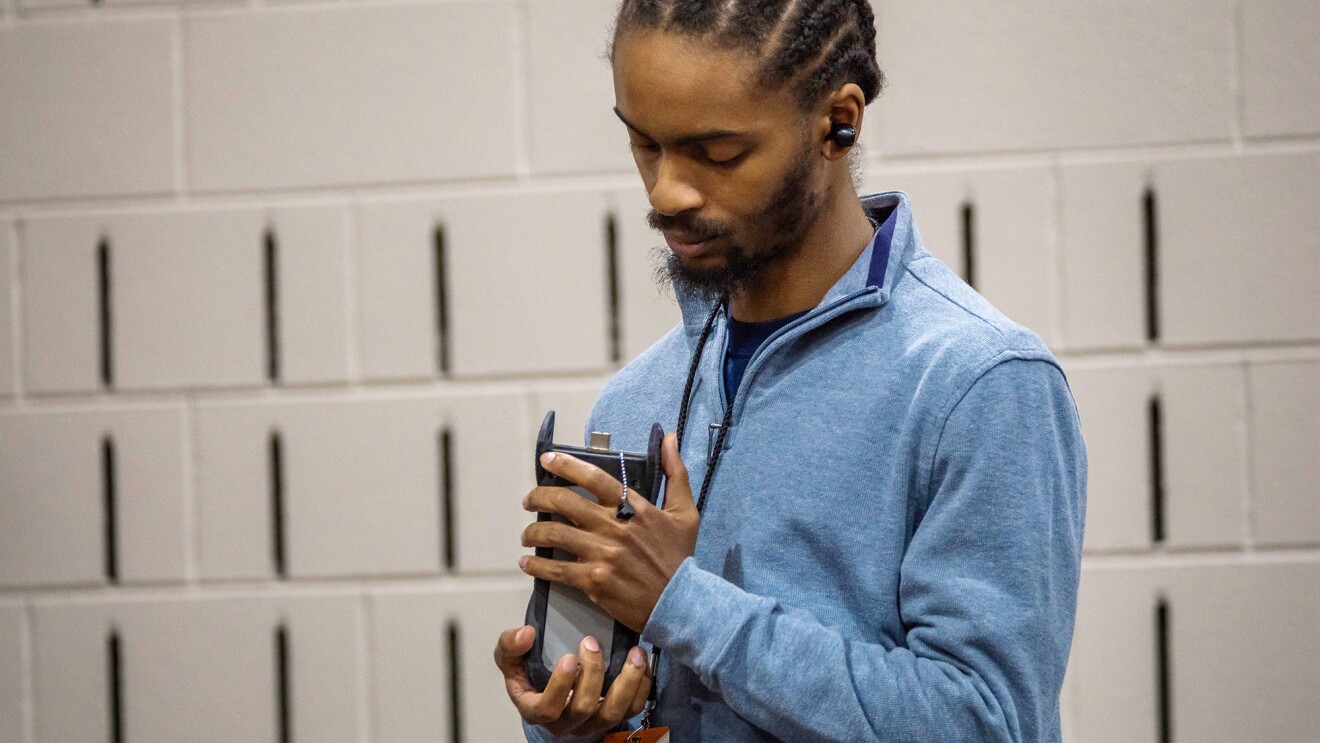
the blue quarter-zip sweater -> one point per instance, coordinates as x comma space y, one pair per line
892, 542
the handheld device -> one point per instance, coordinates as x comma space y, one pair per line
563, 615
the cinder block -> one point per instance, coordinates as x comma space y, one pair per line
523, 295
187, 300
72, 89
1012, 234
294, 97
1243, 652
53, 467
1112, 665
1205, 470
1285, 474
204, 670
398, 325
648, 309
413, 670
571, 92
6, 323
528, 294
482, 616
494, 466
571, 402
358, 482
988, 78
1102, 252
1239, 249
61, 290
1280, 68
313, 321
71, 670
12, 674
1113, 404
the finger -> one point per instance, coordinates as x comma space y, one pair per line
564, 536
566, 503
595, 480
643, 693
512, 646
548, 706
619, 699
586, 693
678, 491
563, 572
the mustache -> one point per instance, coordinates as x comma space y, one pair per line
690, 224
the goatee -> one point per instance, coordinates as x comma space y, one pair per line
787, 217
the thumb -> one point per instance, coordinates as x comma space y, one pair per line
678, 491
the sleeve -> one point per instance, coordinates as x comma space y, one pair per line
987, 594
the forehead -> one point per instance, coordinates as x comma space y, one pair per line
670, 85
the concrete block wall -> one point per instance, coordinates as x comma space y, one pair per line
286, 286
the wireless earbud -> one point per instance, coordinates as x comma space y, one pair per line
842, 135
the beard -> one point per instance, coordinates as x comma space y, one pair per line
782, 224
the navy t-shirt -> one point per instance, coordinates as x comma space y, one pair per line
744, 339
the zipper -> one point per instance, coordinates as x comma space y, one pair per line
797, 327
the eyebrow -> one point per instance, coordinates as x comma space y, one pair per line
684, 140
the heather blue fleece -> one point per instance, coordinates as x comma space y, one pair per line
892, 542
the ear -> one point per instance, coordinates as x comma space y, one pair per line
844, 106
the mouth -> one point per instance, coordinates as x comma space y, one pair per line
688, 244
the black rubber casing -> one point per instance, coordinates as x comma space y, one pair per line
644, 479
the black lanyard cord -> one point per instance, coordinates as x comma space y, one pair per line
710, 470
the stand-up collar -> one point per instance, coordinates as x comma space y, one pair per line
876, 269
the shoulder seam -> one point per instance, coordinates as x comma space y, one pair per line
951, 300
959, 394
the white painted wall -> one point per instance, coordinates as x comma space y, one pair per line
180, 134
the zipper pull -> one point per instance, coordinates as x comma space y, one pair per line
711, 434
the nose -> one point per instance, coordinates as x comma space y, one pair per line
671, 194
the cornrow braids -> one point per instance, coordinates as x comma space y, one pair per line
812, 46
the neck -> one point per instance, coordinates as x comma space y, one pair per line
831, 245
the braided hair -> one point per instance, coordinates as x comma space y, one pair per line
815, 46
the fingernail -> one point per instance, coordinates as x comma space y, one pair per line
522, 634
637, 657
547, 458
526, 501
568, 663
522, 561
591, 644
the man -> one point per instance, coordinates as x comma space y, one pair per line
885, 541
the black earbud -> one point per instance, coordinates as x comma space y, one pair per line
842, 135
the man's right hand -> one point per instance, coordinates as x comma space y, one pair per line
571, 702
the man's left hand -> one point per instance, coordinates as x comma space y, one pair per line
623, 566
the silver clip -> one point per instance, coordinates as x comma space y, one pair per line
599, 441
711, 433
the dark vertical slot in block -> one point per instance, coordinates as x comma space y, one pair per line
455, 686
446, 451
105, 327
283, 687
969, 243
277, 502
1164, 679
108, 501
1150, 234
271, 256
441, 300
612, 282
114, 667
1155, 413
